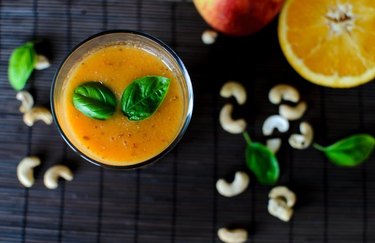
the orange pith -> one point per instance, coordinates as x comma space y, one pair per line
330, 42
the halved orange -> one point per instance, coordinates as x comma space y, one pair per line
330, 42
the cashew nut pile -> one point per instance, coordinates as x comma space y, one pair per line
232, 236
32, 114
277, 95
281, 203
239, 185
25, 169
281, 199
230, 125
25, 173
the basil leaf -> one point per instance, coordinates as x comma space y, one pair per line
21, 65
349, 151
263, 163
143, 97
94, 100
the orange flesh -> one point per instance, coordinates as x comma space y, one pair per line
330, 42
118, 141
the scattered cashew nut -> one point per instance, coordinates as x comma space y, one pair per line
37, 114
274, 144
275, 122
232, 236
303, 140
281, 203
235, 89
236, 187
42, 62
283, 92
278, 208
282, 192
228, 124
25, 170
293, 113
52, 175
209, 37
27, 101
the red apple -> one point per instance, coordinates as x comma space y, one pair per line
238, 17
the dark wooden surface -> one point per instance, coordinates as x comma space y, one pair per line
175, 200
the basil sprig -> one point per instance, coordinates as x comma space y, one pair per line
262, 162
143, 97
94, 100
349, 151
21, 65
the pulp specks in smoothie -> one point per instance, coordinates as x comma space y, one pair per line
118, 141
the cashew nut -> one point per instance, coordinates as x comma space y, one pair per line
303, 140
293, 113
42, 62
228, 124
36, 114
209, 37
274, 144
283, 92
232, 236
235, 89
52, 175
237, 186
27, 101
282, 192
25, 170
275, 122
278, 208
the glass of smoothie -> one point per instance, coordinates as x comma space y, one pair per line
99, 121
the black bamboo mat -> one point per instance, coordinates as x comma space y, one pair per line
175, 200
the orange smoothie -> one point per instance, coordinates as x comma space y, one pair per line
117, 140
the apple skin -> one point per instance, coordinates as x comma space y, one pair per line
238, 17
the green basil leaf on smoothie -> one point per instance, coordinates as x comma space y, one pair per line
94, 100
143, 97
21, 65
349, 151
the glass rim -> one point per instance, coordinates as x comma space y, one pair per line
187, 117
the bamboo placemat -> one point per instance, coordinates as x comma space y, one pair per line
175, 199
